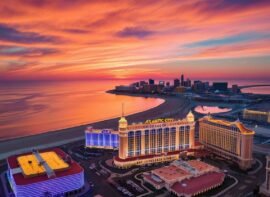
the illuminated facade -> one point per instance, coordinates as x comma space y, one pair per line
105, 138
256, 115
227, 139
265, 188
45, 173
153, 141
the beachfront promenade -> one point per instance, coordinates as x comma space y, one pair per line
176, 107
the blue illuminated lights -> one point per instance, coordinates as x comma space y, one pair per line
105, 138
62, 183
55, 186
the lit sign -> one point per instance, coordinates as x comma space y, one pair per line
160, 120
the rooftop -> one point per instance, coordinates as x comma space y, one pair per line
200, 166
237, 124
256, 112
90, 129
153, 179
171, 173
54, 157
198, 184
157, 123
31, 166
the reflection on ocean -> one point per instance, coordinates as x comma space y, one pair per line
30, 108
211, 109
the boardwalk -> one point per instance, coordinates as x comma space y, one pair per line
252, 86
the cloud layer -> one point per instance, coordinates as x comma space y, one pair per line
68, 39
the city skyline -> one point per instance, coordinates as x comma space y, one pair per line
61, 40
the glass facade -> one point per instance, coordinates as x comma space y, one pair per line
166, 139
181, 137
146, 142
138, 143
131, 144
172, 138
102, 139
187, 133
153, 141
158, 140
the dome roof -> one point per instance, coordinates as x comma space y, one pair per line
190, 117
122, 123
122, 120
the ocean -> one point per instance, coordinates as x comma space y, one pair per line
35, 107
32, 108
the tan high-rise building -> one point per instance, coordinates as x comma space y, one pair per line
153, 141
230, 140
265, 188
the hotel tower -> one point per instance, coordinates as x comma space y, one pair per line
230, 140
154, 141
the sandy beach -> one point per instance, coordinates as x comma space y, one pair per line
176, 107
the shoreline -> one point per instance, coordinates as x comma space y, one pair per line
10, 138
59, 137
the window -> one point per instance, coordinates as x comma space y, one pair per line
172, 138
146, 142
159, 140
131, 143
153, 141
181, 137
138, 143
166, 139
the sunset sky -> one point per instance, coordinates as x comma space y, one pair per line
132, 39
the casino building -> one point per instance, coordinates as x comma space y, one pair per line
105, 138
153, 141
230, 140
45, 173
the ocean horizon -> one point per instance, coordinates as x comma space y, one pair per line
30, 108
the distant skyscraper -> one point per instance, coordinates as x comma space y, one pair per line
220, 86
200, 86
142, 83
235, 89
161, 83
176, 82
151, 81
182, 80
188, 83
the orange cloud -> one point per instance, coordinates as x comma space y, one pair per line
104, 39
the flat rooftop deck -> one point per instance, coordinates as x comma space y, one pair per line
171, 173
198, 184
20, 179
31, 166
